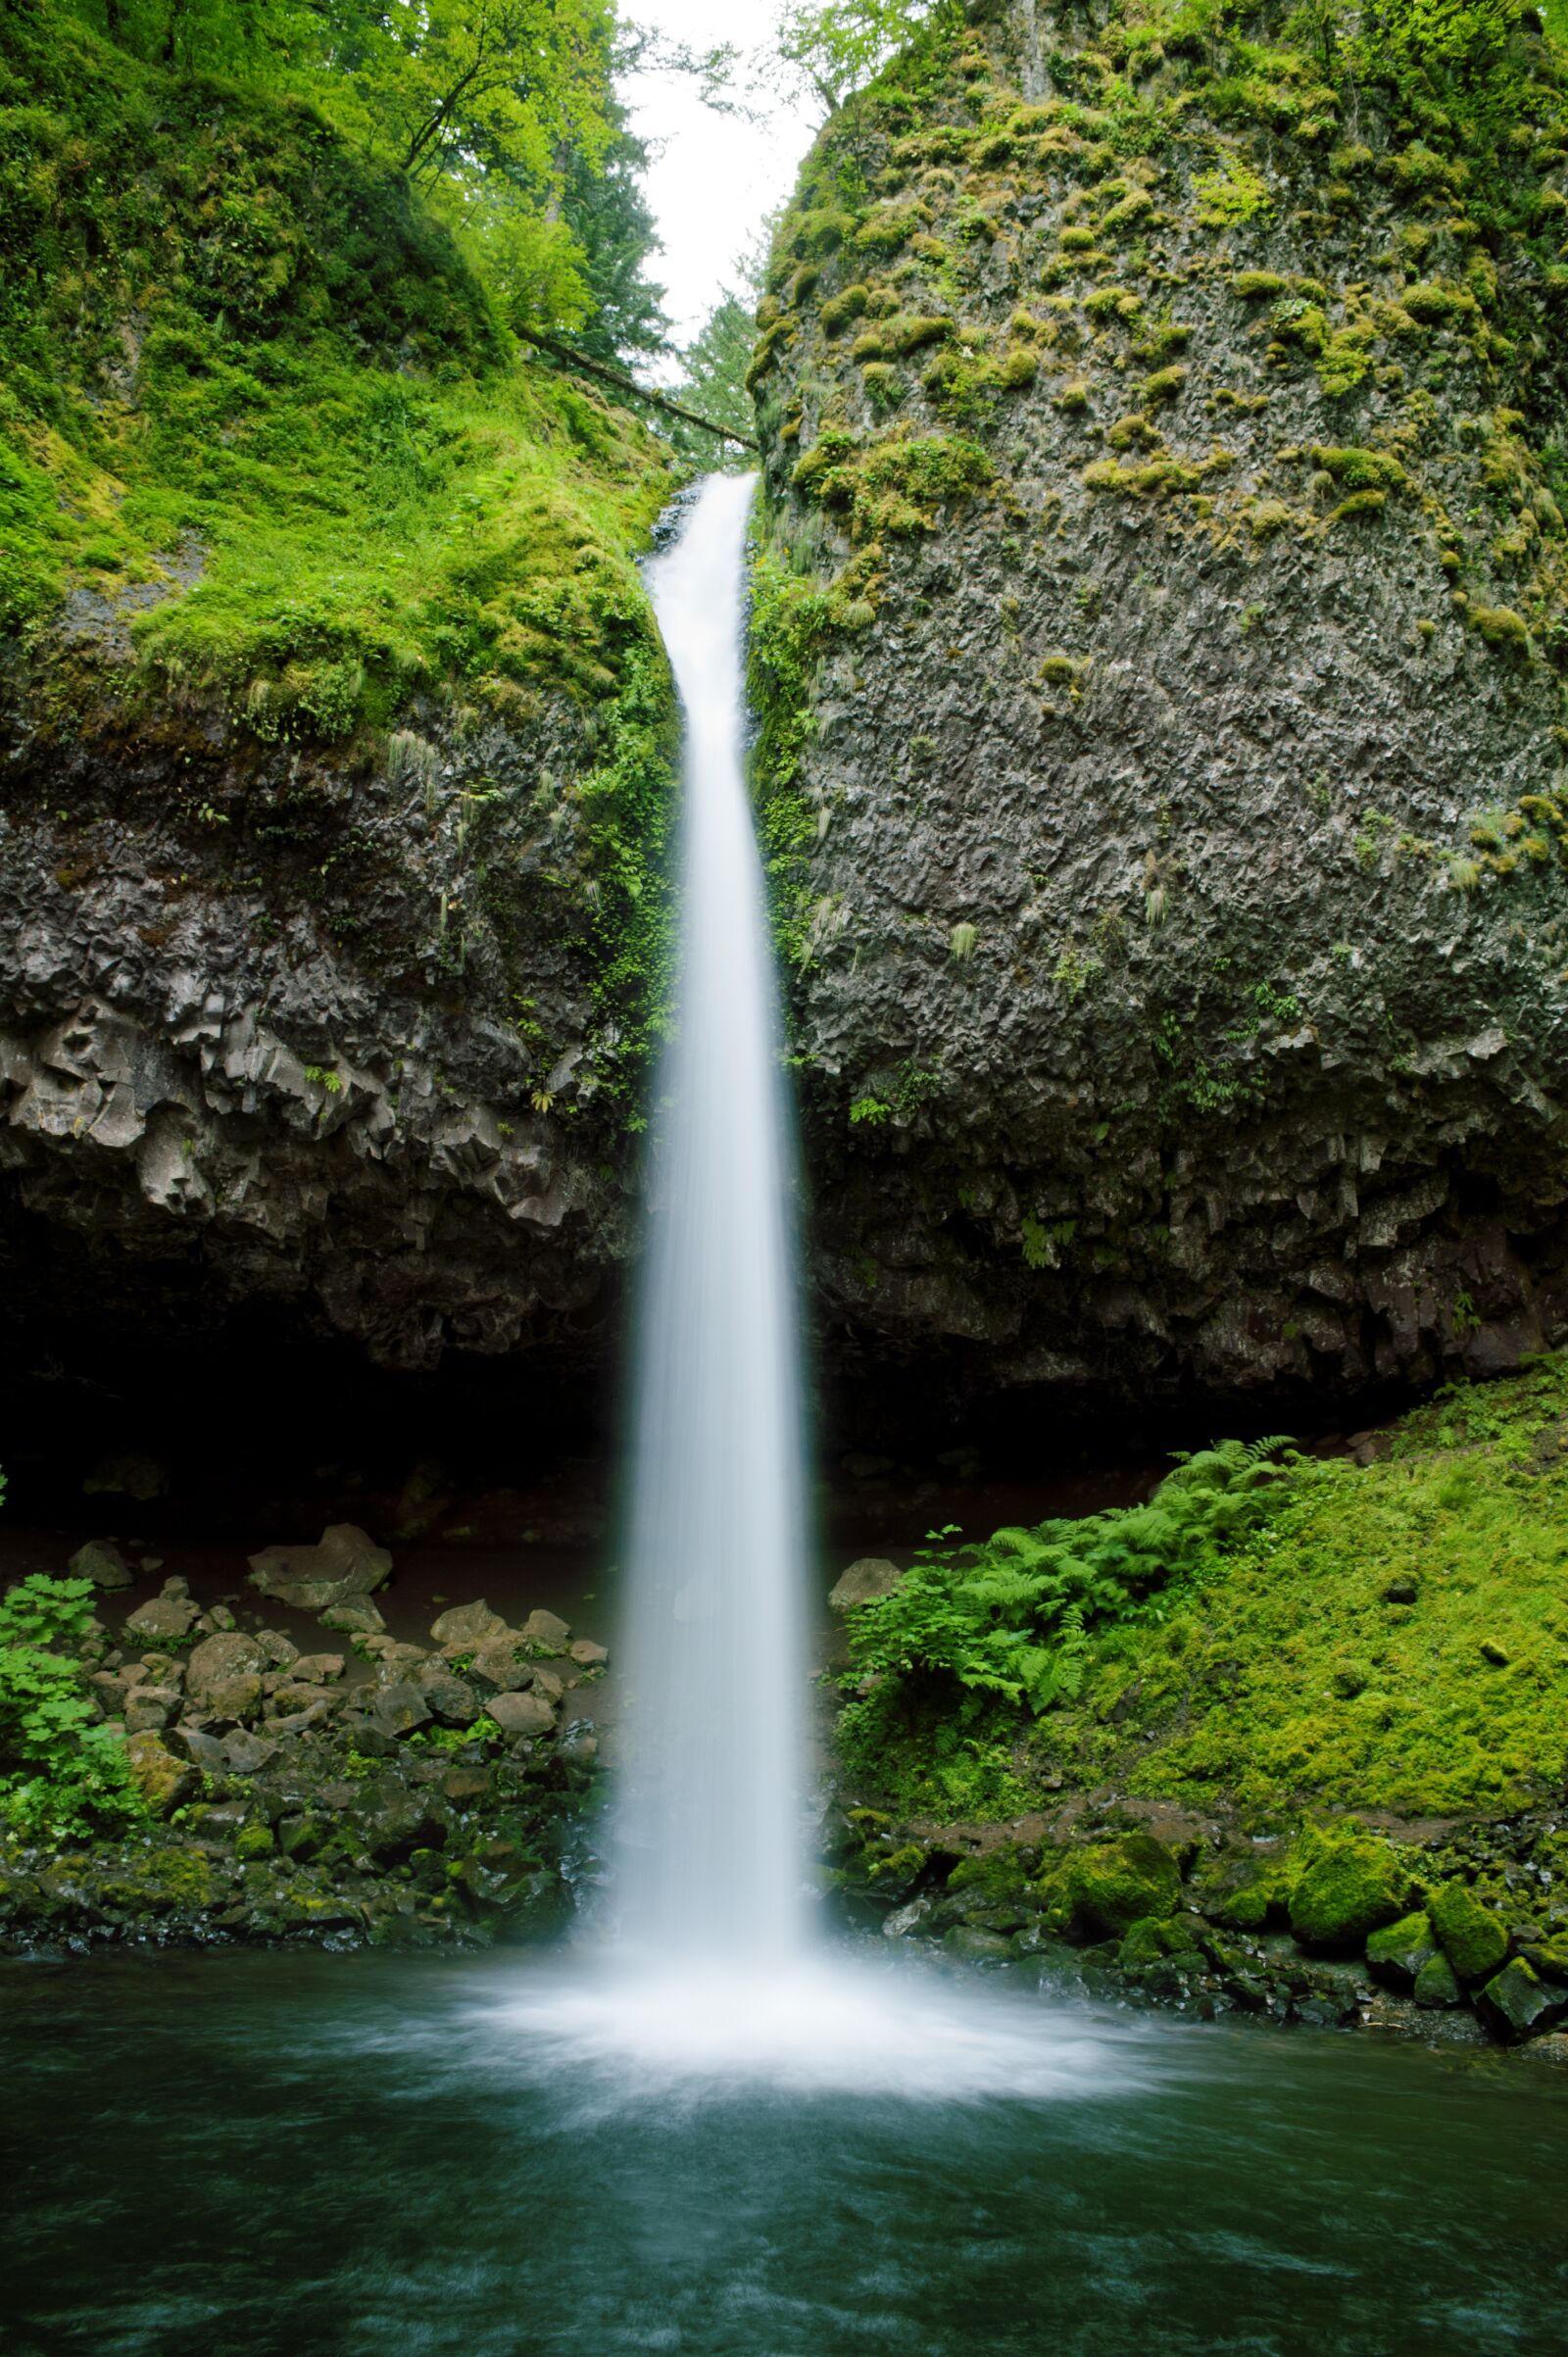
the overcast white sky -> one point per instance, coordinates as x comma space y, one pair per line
716, 178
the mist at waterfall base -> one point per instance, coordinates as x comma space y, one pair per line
710, 1974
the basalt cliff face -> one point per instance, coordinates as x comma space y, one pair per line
335, 749
1159, 657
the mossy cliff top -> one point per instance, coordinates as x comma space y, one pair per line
253, 397
339, 773
1160, 660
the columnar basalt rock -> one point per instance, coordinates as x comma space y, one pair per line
1159, 662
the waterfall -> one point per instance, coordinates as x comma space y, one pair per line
715, 1653
709, 1980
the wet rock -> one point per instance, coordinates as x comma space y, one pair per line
587, 1654
202, 1749
1101, 1889
317, 1667
547, 1685
163, 1781
398, 1665
223, 1675
546, 1632
1345, 1885
972, 1947
521, 1714
167, 1618
466, 1627
345, 1564
1474, 1941
580, 1747
281, 1649
1515, 2003
102, 1562
464, 1785
1435, 1987
1397, 1954
302, 1836
502, 1666
149, 1708
355, 1616
246, 1753
451, 1701
872, 1577
399, 1708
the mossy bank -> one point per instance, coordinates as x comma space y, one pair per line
1292, 1736
337, 737
1159, 668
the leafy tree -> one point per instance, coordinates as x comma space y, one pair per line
836, 45
606, 213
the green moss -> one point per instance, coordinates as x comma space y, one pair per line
287, 367
840, 309
1344, 1885
1360, 504
1500, 625
1151, 1940
1362, 470
1435, 1987
1474, 1941
1099, 1891
1165, 384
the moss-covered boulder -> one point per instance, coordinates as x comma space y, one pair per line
1474, 1941
1398, 1954
1517, 2003
1343, 1887
1160, 1940
1099, 1891
1436, 1989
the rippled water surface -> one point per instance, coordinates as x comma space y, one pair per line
256, 2153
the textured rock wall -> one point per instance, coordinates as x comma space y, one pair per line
324, 1029
1158, 654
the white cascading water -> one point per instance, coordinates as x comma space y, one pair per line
712, 1980
711, 1862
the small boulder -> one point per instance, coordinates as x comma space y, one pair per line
547, 1683
502, 1666
587, 1654
1516, 2002
163, 1621
1435, 1987
546, 1632
246, 1753
102, 1562
521, 1714
355, 1616
1397, 1954
399, 1708
1344, 1887
464, 1785
149, 1710
163, 1781
451, 1701
399, 1665
219, 1663
346, 1563
466, 1627
1473, 1938
280, 1651
202, 1749
872, 1577
1104, 1888
317, 1668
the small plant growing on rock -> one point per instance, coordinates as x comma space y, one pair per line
60, 1770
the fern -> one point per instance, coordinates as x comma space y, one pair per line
1010, 1620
